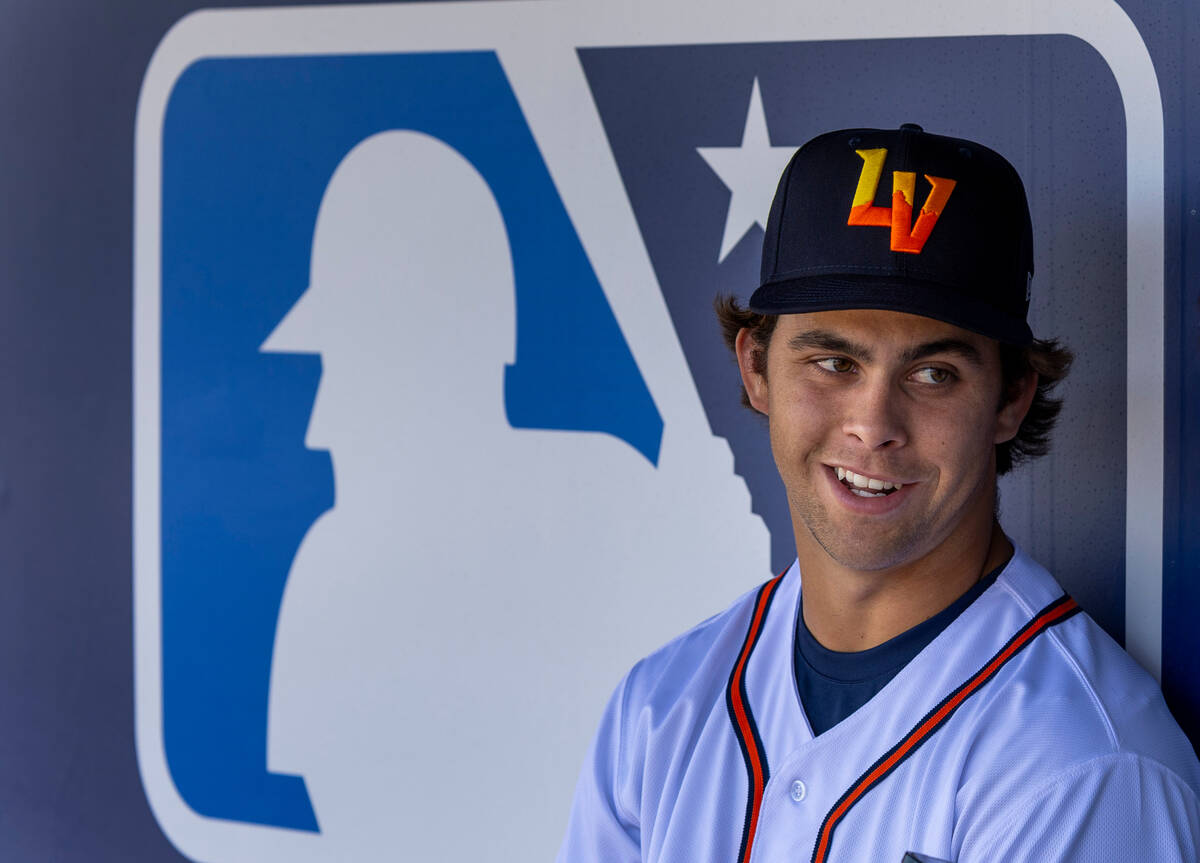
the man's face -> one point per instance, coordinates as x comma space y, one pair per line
901, 404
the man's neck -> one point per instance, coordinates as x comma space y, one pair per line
850, 610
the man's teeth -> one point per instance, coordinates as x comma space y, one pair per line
858, 481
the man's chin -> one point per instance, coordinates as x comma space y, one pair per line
867, 554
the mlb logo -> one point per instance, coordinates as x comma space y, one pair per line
431, 419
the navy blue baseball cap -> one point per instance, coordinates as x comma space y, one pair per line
902, 220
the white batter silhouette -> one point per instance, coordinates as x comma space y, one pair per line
451, 629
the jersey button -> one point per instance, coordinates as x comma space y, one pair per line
799, 792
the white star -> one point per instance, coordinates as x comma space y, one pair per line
750, 172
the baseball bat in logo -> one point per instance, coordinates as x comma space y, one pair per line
898, 216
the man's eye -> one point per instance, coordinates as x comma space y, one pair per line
932, 375
839, 365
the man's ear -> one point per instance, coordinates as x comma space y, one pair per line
1012, 413
752, 363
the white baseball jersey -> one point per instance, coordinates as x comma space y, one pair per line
1021, 734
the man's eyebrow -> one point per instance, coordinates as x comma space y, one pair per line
829, 341
965, 350
832, 342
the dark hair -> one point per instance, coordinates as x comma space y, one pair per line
1047, 358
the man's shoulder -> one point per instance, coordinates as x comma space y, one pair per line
700, 659
1075, 695
1071, 732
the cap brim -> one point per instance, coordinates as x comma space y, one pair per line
930, 300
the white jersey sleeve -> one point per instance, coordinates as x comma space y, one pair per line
602, 828
1115, 807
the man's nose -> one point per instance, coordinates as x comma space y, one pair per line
875, 414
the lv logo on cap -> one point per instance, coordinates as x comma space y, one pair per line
898, 216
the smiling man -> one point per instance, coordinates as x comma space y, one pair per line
884, 425
913, 687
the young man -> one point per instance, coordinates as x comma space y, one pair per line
913, 687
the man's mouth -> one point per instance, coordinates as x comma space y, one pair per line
866, 486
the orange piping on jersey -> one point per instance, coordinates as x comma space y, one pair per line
1055, 612
747, 734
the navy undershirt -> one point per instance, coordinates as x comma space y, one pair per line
832, 685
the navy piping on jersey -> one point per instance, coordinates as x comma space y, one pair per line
832, 684
1056, 612
744, 727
